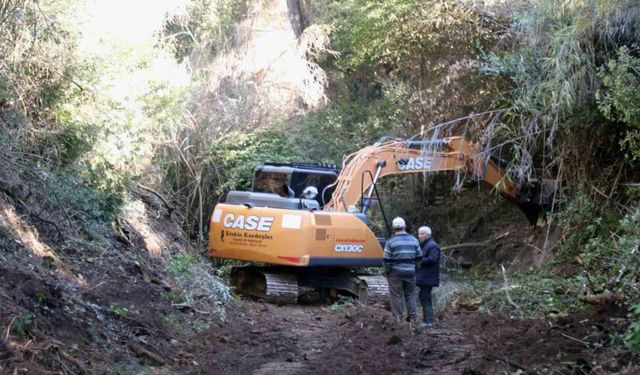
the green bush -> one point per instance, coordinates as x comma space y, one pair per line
603, 244
78, 196
538, 295
180, 265
406, 38
23, 323
632, 338
619, 100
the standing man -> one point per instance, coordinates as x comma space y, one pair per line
401, 254
428, 274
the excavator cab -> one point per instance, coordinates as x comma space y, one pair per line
290, 180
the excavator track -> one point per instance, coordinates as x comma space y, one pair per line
281, 288
274, 287
281, 285
377, 287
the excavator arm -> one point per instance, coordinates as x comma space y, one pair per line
361, 171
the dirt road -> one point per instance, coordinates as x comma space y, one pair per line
324, 339
351, 339
344, 338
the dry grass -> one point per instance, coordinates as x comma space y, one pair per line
266, 74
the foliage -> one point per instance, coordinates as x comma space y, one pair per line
348, 124
201, 325
37, 61
23, 323
632, 338
198, 288
603, 244
238, 94
205, 29
174, 296
172, 320
342, 304
409, 38
554, 65
424, 53
620, 99
538, 295
243, 152
181, 265
325, 135
81, 198
122, 311
574, 85
69, 127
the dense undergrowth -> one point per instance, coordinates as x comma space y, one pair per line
84, 116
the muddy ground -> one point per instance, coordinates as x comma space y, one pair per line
269, 339
339, 338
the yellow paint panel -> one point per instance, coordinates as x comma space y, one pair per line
288, 237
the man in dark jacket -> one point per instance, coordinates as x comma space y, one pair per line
428, 274
401, 254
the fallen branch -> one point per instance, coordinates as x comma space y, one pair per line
536, 248
587, 296
625, 208
37, 216
475, 244
168, 206
76, 362
506, 290
94, 287
189, 307
462, 358
576, 340
7, 332
512, 364
142, 352
119, 231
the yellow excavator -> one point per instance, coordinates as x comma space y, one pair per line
307, 222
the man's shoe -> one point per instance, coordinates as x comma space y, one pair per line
427, 325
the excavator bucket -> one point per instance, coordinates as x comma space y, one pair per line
536, 197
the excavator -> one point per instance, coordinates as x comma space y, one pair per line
306, 224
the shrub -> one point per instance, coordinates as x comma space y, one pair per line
619, 100
632, 338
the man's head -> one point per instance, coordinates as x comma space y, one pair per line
424, 233
398, 224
